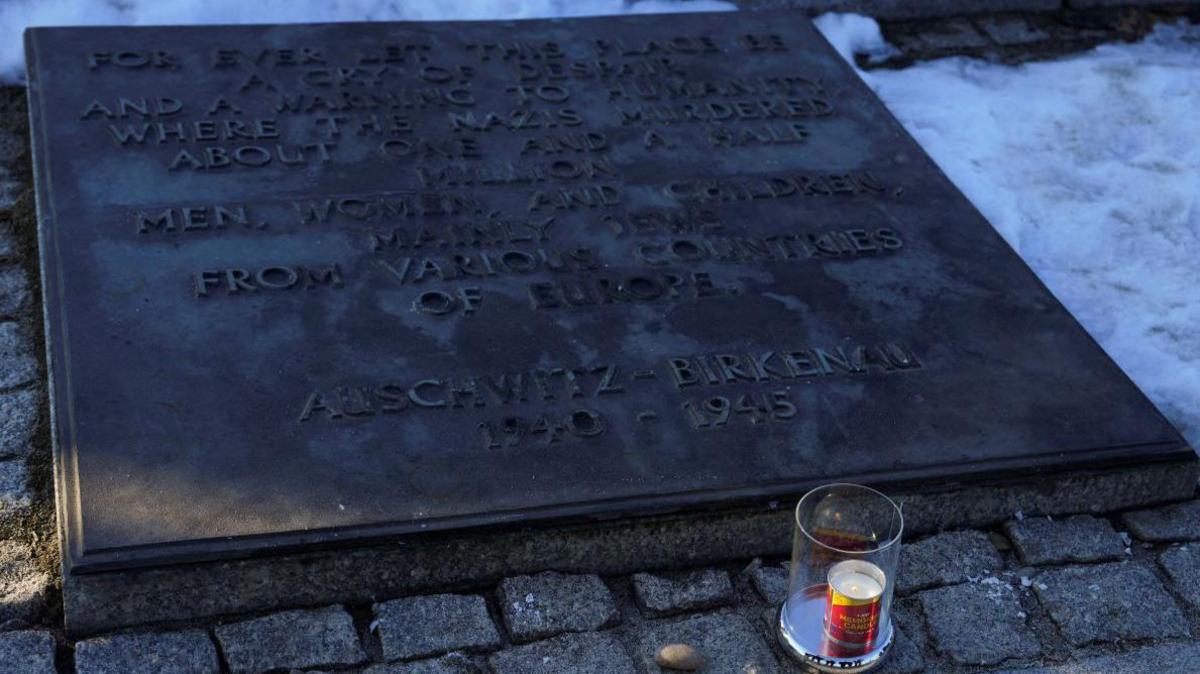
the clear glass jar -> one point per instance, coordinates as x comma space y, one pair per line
846, 549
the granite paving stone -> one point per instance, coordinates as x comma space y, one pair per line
1182, 564
905, 657
1011, 31
909, 617
944, 559
291, 639
16, 496
1161, 659
1096, 4
8, 240
18, 421
584, 653
1178, 522
660, 596
1082, 538
23, 587
10, 188
452, 663
727, 641
18, 366
947, 37
1109, 602
979, 623
14, 291
187, 652
420, 627
894, 10
550, 603
12, 147
771, 582
1086, 29
27, 652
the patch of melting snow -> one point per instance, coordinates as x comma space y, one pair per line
1089, 167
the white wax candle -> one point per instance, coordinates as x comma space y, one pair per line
855, 584
857, 579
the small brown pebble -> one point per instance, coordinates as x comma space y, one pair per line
679, 656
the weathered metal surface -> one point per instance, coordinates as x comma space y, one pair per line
318, 284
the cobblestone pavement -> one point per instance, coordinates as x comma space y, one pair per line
1011, 31
1081, 594
1111, 592
1017, 38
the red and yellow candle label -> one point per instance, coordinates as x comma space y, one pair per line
854, 604
853, 622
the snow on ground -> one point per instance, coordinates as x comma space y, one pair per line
1089, 166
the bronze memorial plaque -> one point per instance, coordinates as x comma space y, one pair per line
344, 283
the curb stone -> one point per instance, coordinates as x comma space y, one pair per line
421, 627
1182, 565
28, 652
551, 603
1081, 538
16, 353
727, 641
23, 587
945, 559
291, 639
1109, 602
661, 596
582, 653
999, 630
1178, 522
190, 652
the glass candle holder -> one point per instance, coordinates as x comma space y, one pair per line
837, 617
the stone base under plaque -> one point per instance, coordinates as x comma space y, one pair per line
106, 601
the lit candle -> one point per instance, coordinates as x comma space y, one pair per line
854, 600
